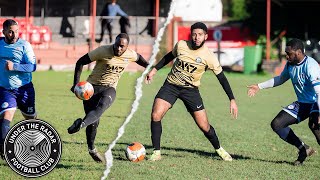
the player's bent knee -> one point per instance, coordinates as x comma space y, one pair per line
8, 115
156, 116
204, 126
273, 126
276, 125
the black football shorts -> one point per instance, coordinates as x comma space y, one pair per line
190, 96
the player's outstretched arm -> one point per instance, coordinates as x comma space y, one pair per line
164, 61
150, 75
227, 89
273, 82
233, 109
84, 60
253, 90
141, 61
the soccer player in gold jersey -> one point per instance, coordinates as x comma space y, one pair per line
111, 61
193, 58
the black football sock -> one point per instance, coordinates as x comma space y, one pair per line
91, 132
156, 131
212, 137
294, 140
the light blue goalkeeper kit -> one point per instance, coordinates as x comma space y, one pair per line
23, 57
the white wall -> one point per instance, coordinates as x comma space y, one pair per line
199, 10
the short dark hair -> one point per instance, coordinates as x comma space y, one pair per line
296, 44
9, 22
123, 35
199, 25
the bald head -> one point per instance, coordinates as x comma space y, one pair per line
121, 44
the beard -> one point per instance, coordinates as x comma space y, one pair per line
10, 40
195, 47
295, 61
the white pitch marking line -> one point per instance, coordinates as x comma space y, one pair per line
138, 92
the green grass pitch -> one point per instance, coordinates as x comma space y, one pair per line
257, 151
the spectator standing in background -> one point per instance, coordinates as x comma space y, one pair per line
124, 24
111, 10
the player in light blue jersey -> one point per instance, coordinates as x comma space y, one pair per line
304, 73
17, 62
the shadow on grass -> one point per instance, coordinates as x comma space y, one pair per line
205, 153
119, 117
62, 166
109, 118
81, 143
84, 167
119, 153
275, 162
3, 163
234, 156
201, 153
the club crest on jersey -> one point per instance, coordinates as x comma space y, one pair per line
316, 81
5, 105
291, 106
18, 49
198, 60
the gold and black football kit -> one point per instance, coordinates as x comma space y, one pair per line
182, 83
190, 64
109, 68
104, 78
184, 78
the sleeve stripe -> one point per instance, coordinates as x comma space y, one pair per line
315, 84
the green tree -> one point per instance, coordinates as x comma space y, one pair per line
239, 10
236, 9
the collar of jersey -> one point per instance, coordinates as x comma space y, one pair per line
304, 60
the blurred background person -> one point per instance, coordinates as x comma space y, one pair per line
148, 28
66, 29
124, 24
111, 10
